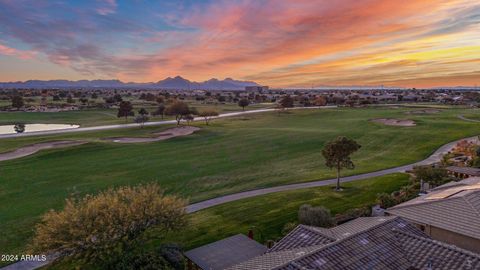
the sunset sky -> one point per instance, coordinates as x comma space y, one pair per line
410, 43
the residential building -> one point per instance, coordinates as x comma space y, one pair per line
449, 213
364, 243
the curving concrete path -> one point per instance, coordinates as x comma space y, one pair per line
467, 119
433, 158
157, 123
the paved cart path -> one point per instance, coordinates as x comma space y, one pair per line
433, 158
157, 123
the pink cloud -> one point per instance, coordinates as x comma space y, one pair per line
22, 54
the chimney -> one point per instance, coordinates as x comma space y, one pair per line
250, 233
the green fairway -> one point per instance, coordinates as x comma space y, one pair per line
231, 155
98, 117
267, 214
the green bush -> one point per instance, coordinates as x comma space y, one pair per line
318, 216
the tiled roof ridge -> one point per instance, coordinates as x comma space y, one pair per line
400, 206
311, 228
448, 246
477, 211
340, 240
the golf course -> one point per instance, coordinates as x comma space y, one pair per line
230, 155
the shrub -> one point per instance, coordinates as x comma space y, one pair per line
315, 216
168, 257
99, 227
288, 227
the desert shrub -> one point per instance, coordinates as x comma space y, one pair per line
385, 200
315, 216
288, 227
100, 227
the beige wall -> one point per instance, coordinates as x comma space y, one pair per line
456, 239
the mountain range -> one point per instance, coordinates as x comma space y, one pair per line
176, 83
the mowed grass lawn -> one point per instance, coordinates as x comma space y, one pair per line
98, 117
231, 155
267, 214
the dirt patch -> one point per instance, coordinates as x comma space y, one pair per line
395, 122
160, 136
34, 148
425, 111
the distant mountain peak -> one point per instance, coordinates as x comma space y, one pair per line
177, 83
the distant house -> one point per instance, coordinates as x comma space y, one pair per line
364, 243
463, 172
449, 213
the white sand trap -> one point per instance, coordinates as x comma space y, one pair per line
395, 122
34, 148
164, 135
425, 111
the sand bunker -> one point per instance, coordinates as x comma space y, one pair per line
32, 149
426, 111
395, 122
164, 135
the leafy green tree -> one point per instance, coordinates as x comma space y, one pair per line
208, 115
179, 109
337, 155
435, 176
97, 228
19, 128
315, 216
243, 103
125, 110
17, 102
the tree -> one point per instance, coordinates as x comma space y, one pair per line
142, 111
160, 110
179, 109
243, 103
435, 176
320, 101
118, 98
19, 128
189, 118
70, 99
125, 110
160, 100
17, 102
337, 155
141, 119
100, 227
207, 115
315, 216
286, 102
